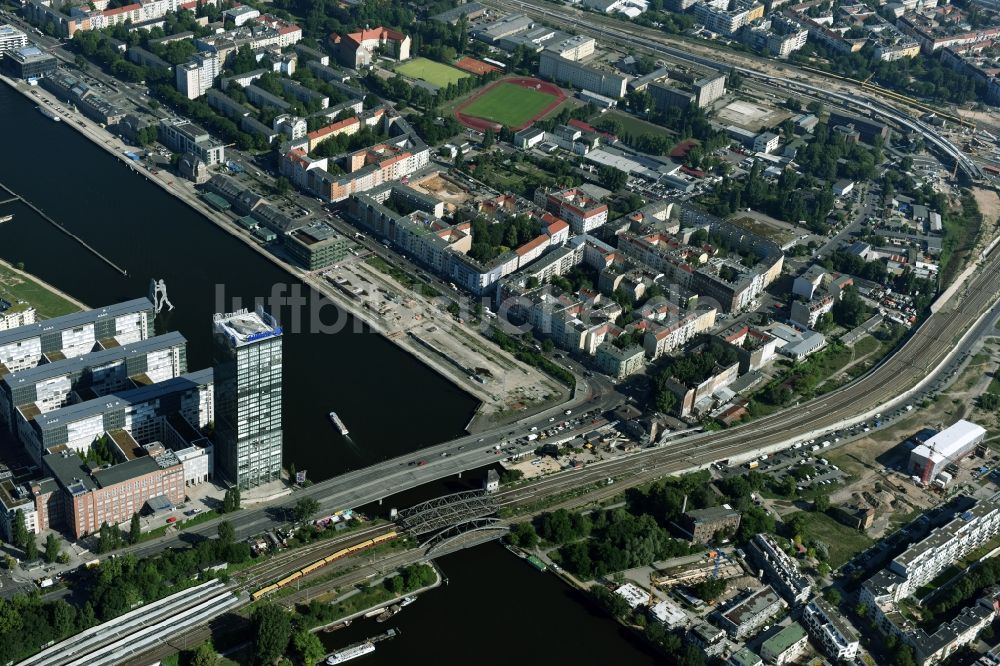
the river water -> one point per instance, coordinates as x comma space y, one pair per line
391, 402
496, 609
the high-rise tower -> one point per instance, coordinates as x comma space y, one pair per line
248, 397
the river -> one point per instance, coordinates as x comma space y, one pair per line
391, 402
496, 609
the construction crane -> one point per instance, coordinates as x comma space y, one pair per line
716, 555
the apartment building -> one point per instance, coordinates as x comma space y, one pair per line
748, 614
831, 630
781, 570
786, 646
11, 39
195, 77
581, 211
726, 17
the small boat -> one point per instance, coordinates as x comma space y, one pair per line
51, 115
375, 611
340, 424
6, 218
353, 652
336, 627
406, 601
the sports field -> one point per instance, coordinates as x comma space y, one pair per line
513, 103
432, 72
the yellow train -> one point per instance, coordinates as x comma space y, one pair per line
318, 564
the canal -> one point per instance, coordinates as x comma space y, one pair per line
391, 402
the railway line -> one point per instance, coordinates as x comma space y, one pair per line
655, 41
140, 629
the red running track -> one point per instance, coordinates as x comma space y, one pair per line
482, 124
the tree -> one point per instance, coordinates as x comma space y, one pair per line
709, 589
135, 529
31, 550
489, 138
231, 500
305, 508
272, 631
832, 595
523, 535
227, 533
291, 472
282, 185
548, 345
205, 655
51, 548
821, 503
308, 647
20, 530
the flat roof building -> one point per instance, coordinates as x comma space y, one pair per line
28, 393
703, 524
140, 411
11, 38
75, 334
111, 495
317, 245
785, 646
28, 62
831, 630
183, 136
780, 569
248, 397
745, 616
950, 445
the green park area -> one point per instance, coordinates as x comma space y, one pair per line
508, 104
15, 286
432, 72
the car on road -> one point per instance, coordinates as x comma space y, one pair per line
171, 520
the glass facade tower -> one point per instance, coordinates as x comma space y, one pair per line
247, 349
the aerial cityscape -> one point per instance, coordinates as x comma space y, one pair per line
500, 331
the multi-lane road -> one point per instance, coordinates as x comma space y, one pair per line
932, 351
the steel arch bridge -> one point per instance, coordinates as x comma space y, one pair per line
487, 528
447, 512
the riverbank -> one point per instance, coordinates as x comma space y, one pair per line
492, 410
380, 604
48, 301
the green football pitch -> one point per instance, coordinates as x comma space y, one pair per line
432, 72
508, 104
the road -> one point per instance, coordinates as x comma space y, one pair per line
931, 353
631, 36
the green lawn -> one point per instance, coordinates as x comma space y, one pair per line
509, 104
432, 72
842, 541
631, 125
15, 287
